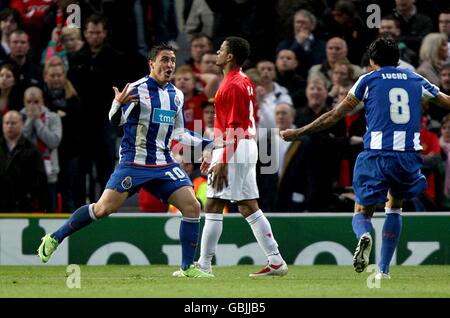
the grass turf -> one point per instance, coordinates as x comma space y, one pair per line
231, 281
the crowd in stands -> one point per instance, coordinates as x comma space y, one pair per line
58, 149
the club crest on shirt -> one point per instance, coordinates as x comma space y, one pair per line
177, 101
127, 183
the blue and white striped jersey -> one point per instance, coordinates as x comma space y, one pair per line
152, 123
392, 101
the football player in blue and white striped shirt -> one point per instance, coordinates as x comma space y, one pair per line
151, 112
389, 167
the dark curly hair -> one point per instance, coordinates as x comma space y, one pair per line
384, 51
239, 47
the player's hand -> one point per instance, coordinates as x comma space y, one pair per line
124, 96
219, 176
289, 134
206, 162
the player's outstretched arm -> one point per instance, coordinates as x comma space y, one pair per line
121, 98
442, 100
323, 122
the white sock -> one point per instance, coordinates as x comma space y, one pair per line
263, 234
91, 212
391, 210
210, 238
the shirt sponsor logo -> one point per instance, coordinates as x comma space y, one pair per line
162, 116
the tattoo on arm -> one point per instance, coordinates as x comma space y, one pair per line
442, 100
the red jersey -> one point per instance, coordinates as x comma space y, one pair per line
235, 113
430, 144
193, 110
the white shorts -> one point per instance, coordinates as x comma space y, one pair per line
241, 173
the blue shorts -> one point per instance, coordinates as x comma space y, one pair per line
377, 172
161, 181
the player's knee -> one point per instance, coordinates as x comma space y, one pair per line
192, 209
365, 209
246, 208
102, 210
196, 207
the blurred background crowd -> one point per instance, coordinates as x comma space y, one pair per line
58, 149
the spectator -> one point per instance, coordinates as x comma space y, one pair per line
273, 94
200, 19
435, 112
33, 15
208, 63
211, 75
324, 166
444, 27
166, 24
444, 142
9, 22
344, 22
22, 172
294, 173
336, 50
342, 76
433, 54
254, 20
200, 43
10, 94
61, 98
390, 25
30, 73
208, 119
286, 64
430, 199
414, 25
308, 49
94, 70
43, 128
149, 203
70, 40
185, 81
352, 142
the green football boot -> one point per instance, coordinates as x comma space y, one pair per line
192, 271
47, 247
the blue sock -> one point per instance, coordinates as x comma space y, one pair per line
79, 219
391, 234
361, 224
189, 232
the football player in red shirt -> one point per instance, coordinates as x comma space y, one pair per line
232, 173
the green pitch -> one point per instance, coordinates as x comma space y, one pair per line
233, 281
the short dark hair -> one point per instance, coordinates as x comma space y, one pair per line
200, 35
158, 48
13, 69
19, 32
209, 102
7, 12
239, 47
384, 51
345, 7
445, 66
96, 19
392, 17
